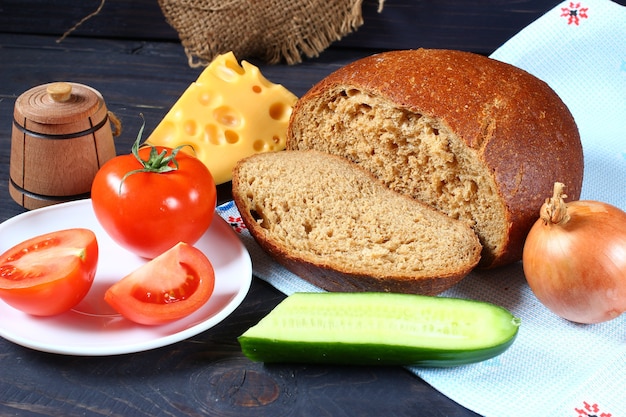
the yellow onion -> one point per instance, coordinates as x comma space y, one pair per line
575, 259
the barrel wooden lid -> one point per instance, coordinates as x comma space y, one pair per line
58, 103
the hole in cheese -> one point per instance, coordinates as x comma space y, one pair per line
229, 71
256, 89
231, 136
211, 134
279, 110
226, 116
234, 65
258, 145
205, 98
190, 127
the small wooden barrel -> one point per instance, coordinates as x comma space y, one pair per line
61, 136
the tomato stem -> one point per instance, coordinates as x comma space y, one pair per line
554, 210
157, 163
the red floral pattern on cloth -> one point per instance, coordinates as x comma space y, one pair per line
236, 223
574, 13
228, 211
591, 410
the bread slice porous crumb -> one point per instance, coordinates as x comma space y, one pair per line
395, 144
337, 226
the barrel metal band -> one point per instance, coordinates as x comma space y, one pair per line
86, 132
59, 198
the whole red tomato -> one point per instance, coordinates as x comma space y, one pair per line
153, 198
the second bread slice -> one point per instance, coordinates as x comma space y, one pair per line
332, 223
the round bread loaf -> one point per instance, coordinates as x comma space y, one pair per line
480, 140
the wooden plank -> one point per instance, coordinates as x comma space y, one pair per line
121, 19
473, 25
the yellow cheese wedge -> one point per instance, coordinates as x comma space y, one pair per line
231, 111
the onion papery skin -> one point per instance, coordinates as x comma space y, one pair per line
577, 268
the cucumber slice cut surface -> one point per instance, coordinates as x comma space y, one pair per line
380, 328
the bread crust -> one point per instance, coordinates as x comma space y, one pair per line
522, 131
335, 279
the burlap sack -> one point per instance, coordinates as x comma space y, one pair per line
271, 30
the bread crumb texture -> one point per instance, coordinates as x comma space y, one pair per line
328, 211
474, 138
396, 144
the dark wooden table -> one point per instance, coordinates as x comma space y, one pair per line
130, 54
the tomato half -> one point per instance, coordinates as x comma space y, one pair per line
167, 288
51, 273
149, 212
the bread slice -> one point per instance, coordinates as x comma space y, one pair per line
332, 223
478, 139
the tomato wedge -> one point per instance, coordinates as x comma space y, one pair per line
49, 274
167, 288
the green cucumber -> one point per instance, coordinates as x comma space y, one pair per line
380, 329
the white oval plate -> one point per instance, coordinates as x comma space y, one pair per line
93, 328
